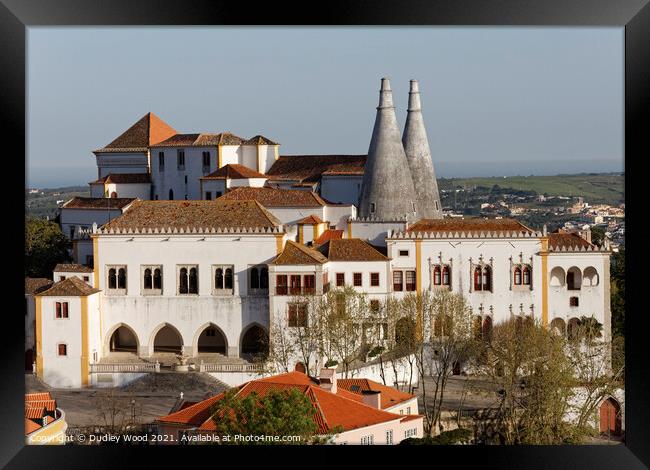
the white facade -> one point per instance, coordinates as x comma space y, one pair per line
344, 189
121, 162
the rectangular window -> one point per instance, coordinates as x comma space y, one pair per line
206, 161
309, 283
573, 302
181, 159
188, 279
298, 315
398, 283
410, 281
61, 310
389, 437
208, 195
116, 279
372, 207
223, 277
295, 285
368, 440
86, 279
281, 284
340, 279
357, 279
151, 280
62, 349
374, 279
403, 252
161, 161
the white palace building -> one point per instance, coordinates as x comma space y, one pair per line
194, 243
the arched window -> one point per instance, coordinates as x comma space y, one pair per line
557, 277
487, 278
437, 276
478, 280
228, 279
113, 195
182, 281
112, 279
590, 278
526, 280
264, 278
573, 279
194, 281
157, 279
445, 276
517, 279
148, 279
218, 278
171, 194
121, 278
255, 279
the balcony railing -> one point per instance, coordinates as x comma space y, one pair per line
230, 367
124, 367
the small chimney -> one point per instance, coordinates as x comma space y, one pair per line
327, 379
372, 398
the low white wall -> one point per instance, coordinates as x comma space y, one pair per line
233, 379
373, 372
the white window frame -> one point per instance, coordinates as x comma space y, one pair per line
178, 279
152, 291
222, 292
117, 290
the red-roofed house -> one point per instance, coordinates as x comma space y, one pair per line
361, 417
44, 422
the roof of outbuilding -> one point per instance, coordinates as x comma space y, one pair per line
567, 240
329, 234
72, 268
201, 140
217, 214
350, 249
34, 285
296, 253
234, 171
472, 225
309, 168
276, 197
124, 178
389, 395
99, 203
147, 131
259, 140
311, 220
69, 287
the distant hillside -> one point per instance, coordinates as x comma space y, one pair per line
45, 202
595, 188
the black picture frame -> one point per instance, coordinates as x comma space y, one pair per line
633, 15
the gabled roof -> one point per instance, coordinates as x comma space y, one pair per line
124, 178
275, 197
69, 287
350, 249
309, 168
389, 395
201, 140
259, 140
72, 268
147, 131
34, 285
327, 235
233, 171
311, 220
295, 253
561, 240
98, 203
217, 214
331, 409
469, 225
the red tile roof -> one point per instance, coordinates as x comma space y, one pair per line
34, 412
98, 203
311, 220
34, 285
31, 426
275, 197
567, 240
350, 249
473, 225
233, 171
327, 235
331, 410
307, 168
124, 178
201, 140
69, 287
295, 253
259, 140
39, 396
389, 395
147, 131
217, 214
72, 268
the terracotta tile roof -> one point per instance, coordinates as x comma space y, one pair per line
389, 395
408, 418
473, 225
39, 396
149, 130
47, 405
217, 214
201, 140
233, 171
72, 268
342, 169
259, 140
124, 178
350, 249
331, 410
106, 203
34, 412
311, 219
311, 167
31, 426
275, 197
327, 235
69, 287
34, 285
295, 253
567, 240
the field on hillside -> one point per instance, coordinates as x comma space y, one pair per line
595, 188
45, 202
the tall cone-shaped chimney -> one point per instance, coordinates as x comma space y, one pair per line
418, 154
387, 191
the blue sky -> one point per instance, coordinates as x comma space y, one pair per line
496, 101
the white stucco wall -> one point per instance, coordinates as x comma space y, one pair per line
138, 190
341, 189
85, 218
121, 162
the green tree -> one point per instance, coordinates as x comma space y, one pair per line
277, 413
45, 246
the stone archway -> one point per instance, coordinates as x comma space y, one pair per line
167, 339
121, 339
254, 341
210, 338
